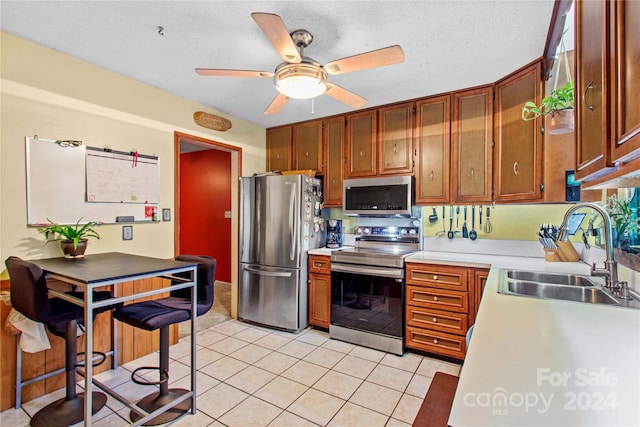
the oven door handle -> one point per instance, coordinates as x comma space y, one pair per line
396, 273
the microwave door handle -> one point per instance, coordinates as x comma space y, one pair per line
268, 273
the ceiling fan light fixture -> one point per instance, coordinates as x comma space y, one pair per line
300, 81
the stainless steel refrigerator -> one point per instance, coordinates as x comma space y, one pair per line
280, 220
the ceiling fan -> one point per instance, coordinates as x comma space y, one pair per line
302, 77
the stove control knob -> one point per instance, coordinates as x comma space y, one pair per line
403, 232
358, 230
412, 232
367, 230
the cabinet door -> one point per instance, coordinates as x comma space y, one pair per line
395, 140
626, 78
319, 300
479, 281
518, 150
279, 149
334, 155
432, 142
592, 145
307, 146
471, 140
361, 144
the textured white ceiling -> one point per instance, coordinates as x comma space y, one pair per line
448, 45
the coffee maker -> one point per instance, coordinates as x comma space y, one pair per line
334, 233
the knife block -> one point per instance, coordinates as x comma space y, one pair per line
564, 253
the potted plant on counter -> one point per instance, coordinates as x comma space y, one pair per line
73, 238
559, 106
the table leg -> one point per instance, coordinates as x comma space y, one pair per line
194, 316
88, 355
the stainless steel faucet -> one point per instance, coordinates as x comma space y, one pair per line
610, 270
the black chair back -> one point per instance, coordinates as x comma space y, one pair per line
28, 289
206, 279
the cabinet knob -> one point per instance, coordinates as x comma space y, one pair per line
432, 176
515, 168
472, 173
590, 86
278, 156
435, 340
306, 153
435, 320
334, 181
395, 148
361, 153
435, 277
435, 298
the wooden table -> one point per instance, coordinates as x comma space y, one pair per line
113, 268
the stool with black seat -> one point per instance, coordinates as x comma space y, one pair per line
160, 314
29, 297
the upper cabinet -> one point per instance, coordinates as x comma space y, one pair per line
279, 148
471, 143
592, 90
432, 141
518, 144
362, 137
334, 131
395, 140
307, 146
625, 76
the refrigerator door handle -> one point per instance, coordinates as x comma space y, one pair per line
293, 223
268, 273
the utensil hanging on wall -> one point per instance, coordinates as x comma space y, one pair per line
465, 230
450, 233
473, 234
488, 228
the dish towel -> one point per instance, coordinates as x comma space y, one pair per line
33, 337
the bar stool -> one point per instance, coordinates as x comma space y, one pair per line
160, 314
29, 297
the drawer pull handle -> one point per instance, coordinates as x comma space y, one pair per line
435, 340
435, 277
435, 298
435, 320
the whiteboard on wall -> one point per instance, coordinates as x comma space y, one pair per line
57, 179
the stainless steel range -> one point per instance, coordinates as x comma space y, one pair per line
367, 287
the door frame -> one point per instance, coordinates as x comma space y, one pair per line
236, 173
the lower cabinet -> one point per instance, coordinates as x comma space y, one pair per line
440, 307
319, 290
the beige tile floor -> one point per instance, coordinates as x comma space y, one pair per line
252, 376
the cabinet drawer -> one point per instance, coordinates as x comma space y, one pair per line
319, 264
440, 299
454, 323
436, 342
455, 278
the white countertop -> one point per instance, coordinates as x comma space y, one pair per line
534, 362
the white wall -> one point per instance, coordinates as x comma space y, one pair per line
55, 96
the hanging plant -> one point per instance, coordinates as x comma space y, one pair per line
559, 100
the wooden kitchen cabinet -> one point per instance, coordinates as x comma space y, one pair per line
395, 139
625, 77
518, 144
319, 290
279, 148
334, 133
592, 88
471, 144
361, 145
479, 281
433, 149
308, 147
437, 308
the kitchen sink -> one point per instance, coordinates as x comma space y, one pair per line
583, 293
558, 286
551, 278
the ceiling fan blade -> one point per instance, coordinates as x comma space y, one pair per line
275, 30
276, 105
233, 73
375, 58
346, 97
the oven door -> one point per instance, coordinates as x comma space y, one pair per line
368, 298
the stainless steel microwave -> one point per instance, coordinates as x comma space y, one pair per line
386, 196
